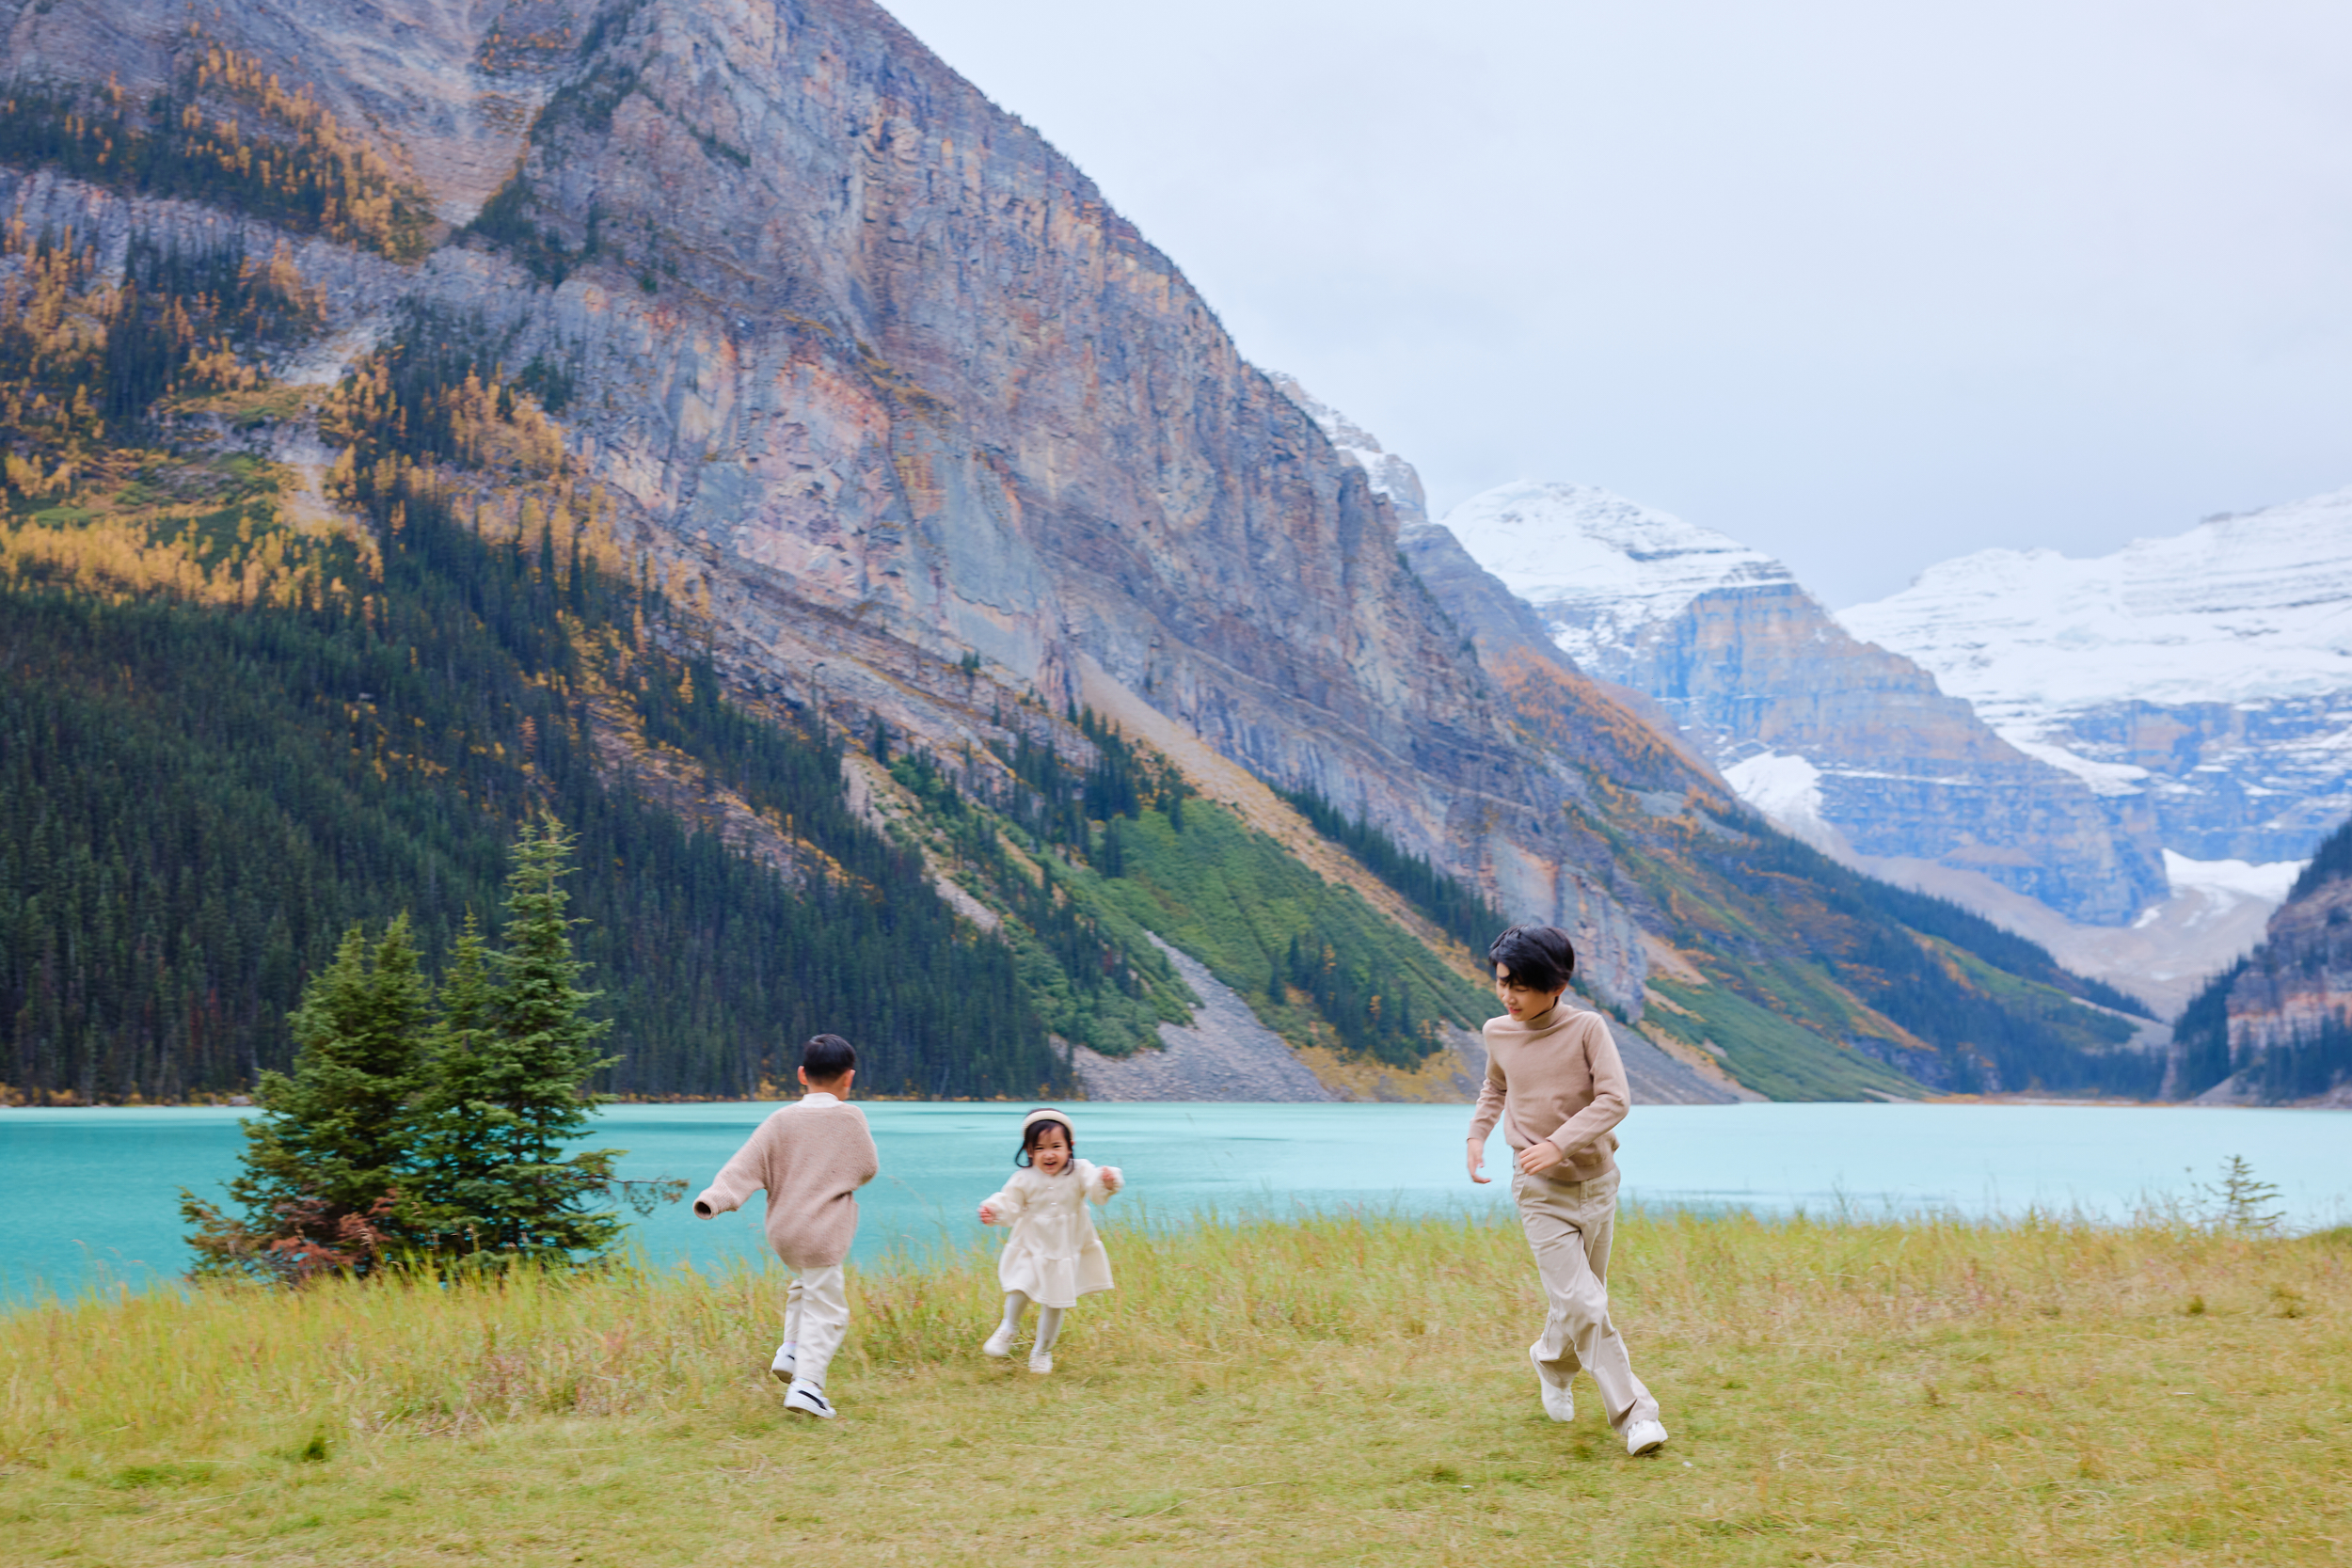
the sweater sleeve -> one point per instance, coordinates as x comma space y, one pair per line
738, 1180
1008, 1200
1490, 1096
869, 1157
1610, 1094
1096, 1192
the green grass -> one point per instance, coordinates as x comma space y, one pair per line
1352, 1390
1234, 898
1770, 1053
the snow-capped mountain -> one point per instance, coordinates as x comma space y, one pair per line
1390, 475
1843, 744
1601, 567
2207, 675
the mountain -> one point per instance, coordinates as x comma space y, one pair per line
2275, 1028
1392, 478
716, 413
1848, 746
2204, 679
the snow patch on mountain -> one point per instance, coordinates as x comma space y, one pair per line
2238, 610
1598, 567
2237, 879
2105, 778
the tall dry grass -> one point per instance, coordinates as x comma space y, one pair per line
1346, 1388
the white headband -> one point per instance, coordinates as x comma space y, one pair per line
1035, 1117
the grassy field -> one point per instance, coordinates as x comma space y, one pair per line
1348, 1390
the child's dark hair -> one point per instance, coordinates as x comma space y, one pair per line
1537, 957
826, 1057
1030, 1134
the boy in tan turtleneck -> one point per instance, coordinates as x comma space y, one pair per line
811, 1158
1555, 1079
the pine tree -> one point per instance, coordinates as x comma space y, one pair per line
323, 1162
513, 1053
457, 1156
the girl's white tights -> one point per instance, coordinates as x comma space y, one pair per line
1048, 1319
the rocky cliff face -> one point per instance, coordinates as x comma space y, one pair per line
1838, 741
2204, 677
877, 378
2276, 1028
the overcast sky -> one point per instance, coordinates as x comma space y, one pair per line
1866, 283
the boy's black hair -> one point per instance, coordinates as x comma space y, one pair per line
1537, 957
826, 1057
1029, 1137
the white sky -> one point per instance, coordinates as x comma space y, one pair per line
1864, 283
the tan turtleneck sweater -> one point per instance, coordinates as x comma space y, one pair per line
812, 1156
1561, 1080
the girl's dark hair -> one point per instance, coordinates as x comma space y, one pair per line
1537, 957
1029, 1137
827, 1058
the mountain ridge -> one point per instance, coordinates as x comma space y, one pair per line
1850, 747
934, 459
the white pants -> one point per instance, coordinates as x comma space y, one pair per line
816, 1315
1568, 1225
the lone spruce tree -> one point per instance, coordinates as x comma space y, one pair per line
324, 1161
512, 1052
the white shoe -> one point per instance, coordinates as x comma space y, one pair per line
1041, 1361
1644, 1437
1559, 1403
808, 1399
999, 1344
788, 1356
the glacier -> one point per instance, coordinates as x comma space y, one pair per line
2208, 673
2239, 608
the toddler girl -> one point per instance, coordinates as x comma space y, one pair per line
1052, 1257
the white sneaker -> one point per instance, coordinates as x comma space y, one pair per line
1559, 1403
808, 1399
788, 1356
1041, 1361
1644, 1437
999, 1344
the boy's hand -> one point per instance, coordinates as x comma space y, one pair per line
988, 1214
1478, 1161
1112, 1180
1537, 1158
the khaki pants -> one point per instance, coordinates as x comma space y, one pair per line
815, 1316
1568, 1225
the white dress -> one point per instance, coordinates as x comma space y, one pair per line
1053, 1256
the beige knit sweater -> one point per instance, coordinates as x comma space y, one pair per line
1564, 1081
811, 1157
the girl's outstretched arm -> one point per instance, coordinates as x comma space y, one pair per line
1003, 1206
1103, 1180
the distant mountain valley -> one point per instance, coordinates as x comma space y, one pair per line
2127, 760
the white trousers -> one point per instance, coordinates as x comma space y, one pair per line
815, 1316
1568, 1225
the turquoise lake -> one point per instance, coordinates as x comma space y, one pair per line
92, 1195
